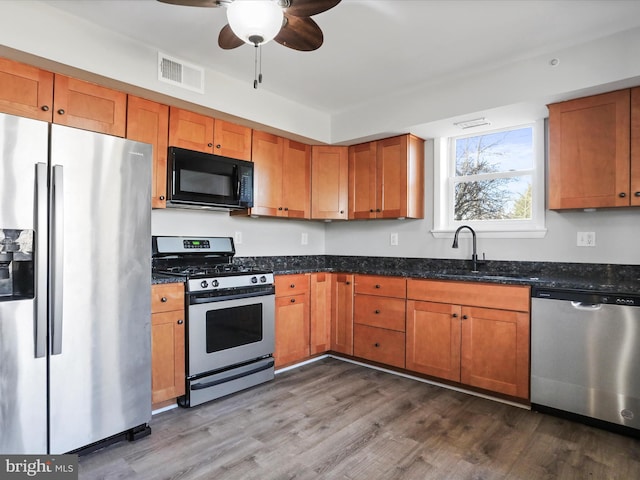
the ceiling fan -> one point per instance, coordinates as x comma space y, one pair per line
256, 22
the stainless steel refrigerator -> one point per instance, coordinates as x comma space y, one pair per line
75, 303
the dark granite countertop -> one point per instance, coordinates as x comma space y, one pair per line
157, 278
609, 278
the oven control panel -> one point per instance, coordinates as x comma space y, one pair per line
195, 285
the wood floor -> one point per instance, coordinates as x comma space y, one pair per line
337, 420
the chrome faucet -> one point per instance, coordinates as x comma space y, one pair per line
474, 256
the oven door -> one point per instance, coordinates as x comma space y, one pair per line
229, 332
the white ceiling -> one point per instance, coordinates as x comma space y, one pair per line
371, 47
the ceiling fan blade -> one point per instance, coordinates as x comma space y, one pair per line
194, 3
300, 33
307, 8
227, 39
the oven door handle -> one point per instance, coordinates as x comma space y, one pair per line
213, 383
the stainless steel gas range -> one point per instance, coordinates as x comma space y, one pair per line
230, 316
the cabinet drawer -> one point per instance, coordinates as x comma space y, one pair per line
381, 312
379, 344
291, 284
381, 285
504, 297
167, 297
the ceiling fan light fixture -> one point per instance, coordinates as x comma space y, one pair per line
255, 21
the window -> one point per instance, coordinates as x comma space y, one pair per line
492, 181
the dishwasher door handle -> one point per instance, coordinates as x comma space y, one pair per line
590, 307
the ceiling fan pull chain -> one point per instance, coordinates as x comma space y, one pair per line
255, 68
260, 72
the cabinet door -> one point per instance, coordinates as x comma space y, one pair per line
148, 122
89, 106
292, 329
232, 140
433, 339
495, 350
320, 304
190, 130
635, 146
391, 177
296, 179
25, 91
342, 313
167, 356
589, 151
362, 181
329, 182
267, 179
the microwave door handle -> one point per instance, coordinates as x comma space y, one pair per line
237, 180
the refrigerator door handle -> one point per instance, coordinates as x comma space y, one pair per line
57, 251
41, 259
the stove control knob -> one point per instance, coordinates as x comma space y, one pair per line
263, 279
254, 279
204, 284
215, 283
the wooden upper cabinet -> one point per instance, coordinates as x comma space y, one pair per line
190, 130
329, 182
25, 91
589, 152
148, 122
635, 146
386, 178
296, 179
282, 177
362, 181
89, 106
267, 175
231, 140
202, 133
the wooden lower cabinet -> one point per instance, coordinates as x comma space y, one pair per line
482, 347
342, 287
320, 305
167, 343
292, 319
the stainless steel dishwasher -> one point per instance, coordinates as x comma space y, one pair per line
585, 357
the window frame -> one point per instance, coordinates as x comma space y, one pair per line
444, 189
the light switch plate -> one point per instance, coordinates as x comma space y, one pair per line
393, 239
304, 238
586, 239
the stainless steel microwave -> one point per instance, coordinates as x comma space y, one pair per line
203, 180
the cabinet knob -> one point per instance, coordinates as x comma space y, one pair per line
286, 209
376, 312
45, 108
209, 144
377, 286
161, 197
218, 146
293, 300
163, 299
637, 194
455, 315
371, 210
622, 194
342, 211
293, 285
378, 210
347, 283
180, 322
279, 208
61, 111
464, 317
376, 344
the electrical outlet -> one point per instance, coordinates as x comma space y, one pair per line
237, 238
304, 238
393, 239
586, 239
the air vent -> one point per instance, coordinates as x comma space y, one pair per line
180, 73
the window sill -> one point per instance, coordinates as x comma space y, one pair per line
525, 233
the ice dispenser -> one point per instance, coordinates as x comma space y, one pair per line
16, 264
